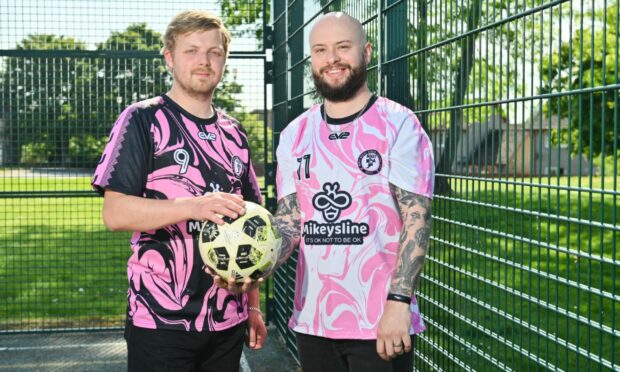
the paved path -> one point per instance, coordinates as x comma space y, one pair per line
104, 351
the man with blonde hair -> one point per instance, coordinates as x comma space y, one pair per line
171, 162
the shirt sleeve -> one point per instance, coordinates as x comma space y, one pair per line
412, 167
126, 159
287, 165
251, 190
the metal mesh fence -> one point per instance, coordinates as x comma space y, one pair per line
520, 99
67, 69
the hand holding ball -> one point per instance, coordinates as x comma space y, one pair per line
248, 246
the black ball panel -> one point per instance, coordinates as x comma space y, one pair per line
257, 274
222, 258
210, 232
252, 225
244, 258
228, 219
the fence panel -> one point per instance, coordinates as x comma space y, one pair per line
520, 99
67, 70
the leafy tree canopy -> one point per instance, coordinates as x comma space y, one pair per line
588, 60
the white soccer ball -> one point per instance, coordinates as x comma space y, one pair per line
246, 247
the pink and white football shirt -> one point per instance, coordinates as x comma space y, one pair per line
351, 223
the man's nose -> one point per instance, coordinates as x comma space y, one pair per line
332, 56
205, 59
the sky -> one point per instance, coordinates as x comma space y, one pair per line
93, 21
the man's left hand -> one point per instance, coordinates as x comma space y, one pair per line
232, 286
393, 337
256, 332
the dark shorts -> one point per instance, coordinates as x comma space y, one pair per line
155, 350
320, 354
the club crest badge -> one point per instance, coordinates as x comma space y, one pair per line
370, 162
237, 166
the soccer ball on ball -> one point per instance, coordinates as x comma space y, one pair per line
246, 247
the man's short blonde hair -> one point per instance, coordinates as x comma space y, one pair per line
193, 21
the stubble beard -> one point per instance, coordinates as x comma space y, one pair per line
194, 89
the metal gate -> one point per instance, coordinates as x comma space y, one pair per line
520, 99
67, 69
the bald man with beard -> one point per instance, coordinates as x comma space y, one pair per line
355, 182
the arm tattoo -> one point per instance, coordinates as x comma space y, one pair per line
288, 221
414, 239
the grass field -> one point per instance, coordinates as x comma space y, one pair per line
60, 266
520, 272
524, 271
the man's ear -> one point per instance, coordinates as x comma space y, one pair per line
168, 58
367, 52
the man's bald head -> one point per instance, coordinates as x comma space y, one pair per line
341, 19
339, 56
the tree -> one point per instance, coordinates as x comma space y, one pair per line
479, 65
245, 18
588, 60
40, 101
94, 90
446, 158
255, 127
121, 80
224, 96
59, 107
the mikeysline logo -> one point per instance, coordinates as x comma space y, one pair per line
331, 201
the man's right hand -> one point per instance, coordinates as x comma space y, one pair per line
136, 213
215, 205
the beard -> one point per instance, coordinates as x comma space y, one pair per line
348, 89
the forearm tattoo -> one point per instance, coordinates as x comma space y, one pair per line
288, 221
413, 243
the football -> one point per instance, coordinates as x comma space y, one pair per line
248, 246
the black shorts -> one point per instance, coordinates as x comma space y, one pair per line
155, 350
320, 354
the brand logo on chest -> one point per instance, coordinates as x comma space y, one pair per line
207, 136
339, 136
